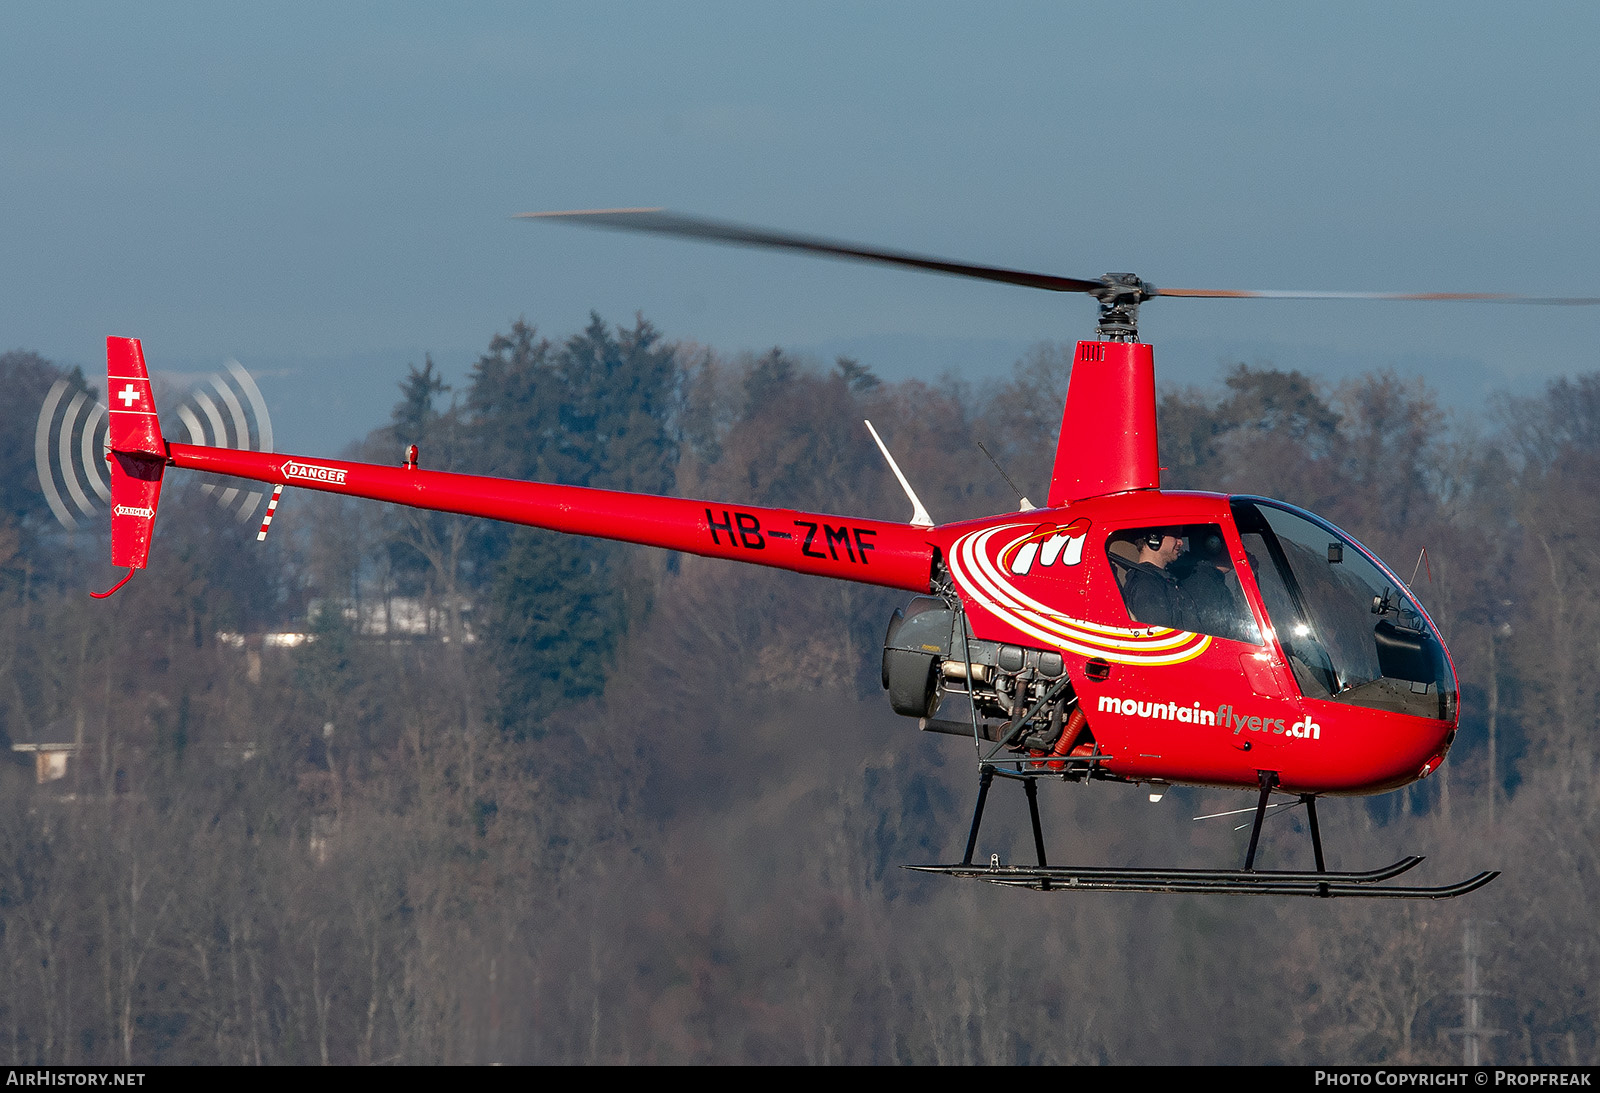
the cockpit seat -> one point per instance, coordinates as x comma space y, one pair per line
1124, 554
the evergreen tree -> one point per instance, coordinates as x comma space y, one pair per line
428, 550
770, 379
26, 378
616, 421
601, 411
509, 404
558, 616
856, 374
416, 413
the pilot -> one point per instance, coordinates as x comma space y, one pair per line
1152, 592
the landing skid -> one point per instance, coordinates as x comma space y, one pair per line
1321, 883
1325, 885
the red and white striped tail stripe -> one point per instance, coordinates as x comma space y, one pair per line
272, 507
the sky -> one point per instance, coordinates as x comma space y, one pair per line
325, 192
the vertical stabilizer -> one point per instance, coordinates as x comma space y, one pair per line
1108, 429
138, 455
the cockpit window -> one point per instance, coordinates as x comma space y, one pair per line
1181, 576
1351, 632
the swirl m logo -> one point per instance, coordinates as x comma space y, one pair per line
1049, 545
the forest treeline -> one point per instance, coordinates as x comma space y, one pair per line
609, 804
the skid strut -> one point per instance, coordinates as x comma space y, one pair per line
1268, 779
985, 780
1316, 834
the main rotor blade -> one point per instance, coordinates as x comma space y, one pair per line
1277, 294
663, 222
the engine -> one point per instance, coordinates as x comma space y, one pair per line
926, 656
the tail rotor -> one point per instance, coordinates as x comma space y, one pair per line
224, 409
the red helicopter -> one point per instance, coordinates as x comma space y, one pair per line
1118, 632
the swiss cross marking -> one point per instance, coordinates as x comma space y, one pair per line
129, 395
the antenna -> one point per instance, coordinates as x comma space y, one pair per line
1422, 559
1026, 504
919, 515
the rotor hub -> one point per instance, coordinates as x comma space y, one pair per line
1120, 295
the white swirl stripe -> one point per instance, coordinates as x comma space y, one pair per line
1152, 639
974, 569
1016, 599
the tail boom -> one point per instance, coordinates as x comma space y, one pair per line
867, 551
